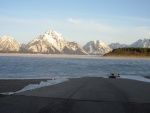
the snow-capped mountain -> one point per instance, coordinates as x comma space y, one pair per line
8, 44
74, 48
49, 42
97, 47
53, 43
144, 43
117, 45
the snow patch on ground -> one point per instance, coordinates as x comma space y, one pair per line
35, 86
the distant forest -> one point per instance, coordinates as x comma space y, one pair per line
129, 52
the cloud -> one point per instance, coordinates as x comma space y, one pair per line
91, 25
75, 21
111, 30
110, 33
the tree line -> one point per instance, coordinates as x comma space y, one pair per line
130, 51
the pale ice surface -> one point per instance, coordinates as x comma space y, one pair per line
42, 84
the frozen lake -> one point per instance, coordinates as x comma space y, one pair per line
47, 66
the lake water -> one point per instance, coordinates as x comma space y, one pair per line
47, 66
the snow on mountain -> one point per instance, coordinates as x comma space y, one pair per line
117, 45
49, 42
8, 44
74, 48
41, 46
144, 43
53, 43
97, 47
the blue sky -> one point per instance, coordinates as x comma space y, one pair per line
123, 21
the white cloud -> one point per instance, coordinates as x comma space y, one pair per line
111, 33
75, 21
91, 25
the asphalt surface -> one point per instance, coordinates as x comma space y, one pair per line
82, 95
8, 85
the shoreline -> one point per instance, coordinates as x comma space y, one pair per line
53, 78
51, 55
13, 85
120, 56
70, 56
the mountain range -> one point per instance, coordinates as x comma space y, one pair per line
145, 43
52, 42
141, 43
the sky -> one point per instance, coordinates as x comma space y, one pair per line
111, 21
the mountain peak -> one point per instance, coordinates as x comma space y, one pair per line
7, 44
50, 32
140, 43
7, 38
53, 42
145, 43
49, 42
97, 47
